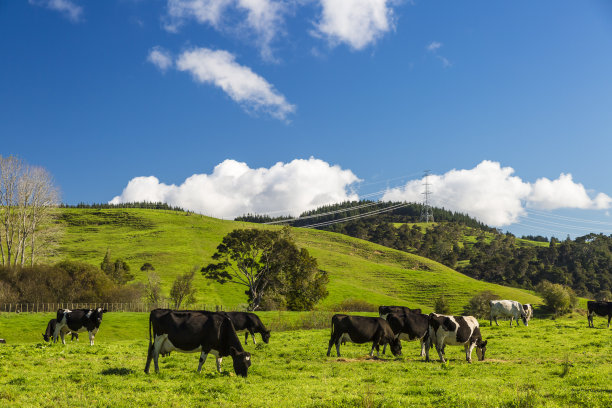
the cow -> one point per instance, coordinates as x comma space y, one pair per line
362, 329
194, 331
78, 320
454, 331
383, 311
528, 310
250, 323
50, 331
507, 308
409, 327
599, 308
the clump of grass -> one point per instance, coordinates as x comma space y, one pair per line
565, 367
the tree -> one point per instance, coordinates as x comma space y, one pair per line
441, 305
27, 195
152, 290
478, 305
265, 260
118, 271
182, 291
147, 267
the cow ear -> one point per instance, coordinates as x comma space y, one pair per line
484, 343
233, 351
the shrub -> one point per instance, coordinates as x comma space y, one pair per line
560, 299
441, 305
355, 305
604, 295
478, 306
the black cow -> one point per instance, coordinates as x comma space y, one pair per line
454, 331
50, 331
193, 331
409, 327
78, 320
600, 308
362, 329
249, 322
383, 311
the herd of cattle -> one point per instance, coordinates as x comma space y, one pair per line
215, 333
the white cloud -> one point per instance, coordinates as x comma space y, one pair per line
433, 46
160, 58
357, 23
262, 19
219, 68
494, 195
68, 8
234, 189
565, 193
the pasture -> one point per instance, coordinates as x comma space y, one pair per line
551, 363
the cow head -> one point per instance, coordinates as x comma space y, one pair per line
396, 346
524, 318
97, 314
481, 348
265, 335
46, 337
242, 361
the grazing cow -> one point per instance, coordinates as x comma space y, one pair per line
78, 320
48, 334
383, 311
250, 323
362, 329
454, 331
193, 331
409, 327
600, 308
507, 308
528, 310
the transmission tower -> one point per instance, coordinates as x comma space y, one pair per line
426, 211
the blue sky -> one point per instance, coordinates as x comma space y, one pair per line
230, 106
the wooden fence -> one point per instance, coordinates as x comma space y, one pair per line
111, 307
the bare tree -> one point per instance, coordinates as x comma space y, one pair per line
27, 196
183, 291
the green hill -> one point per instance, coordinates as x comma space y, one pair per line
175, 242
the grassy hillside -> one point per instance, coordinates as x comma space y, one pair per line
175, 242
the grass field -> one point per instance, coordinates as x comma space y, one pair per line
175, 242
550, 363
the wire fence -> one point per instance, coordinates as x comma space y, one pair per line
111, 307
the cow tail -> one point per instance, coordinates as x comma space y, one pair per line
150, 335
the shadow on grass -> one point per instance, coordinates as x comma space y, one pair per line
117, 371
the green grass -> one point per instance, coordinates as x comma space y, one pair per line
175, 242
551, 363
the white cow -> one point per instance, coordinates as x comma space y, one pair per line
455, 331
507, 308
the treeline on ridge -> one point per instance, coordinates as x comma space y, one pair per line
141, 204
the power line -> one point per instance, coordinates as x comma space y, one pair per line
324, 214
355, 217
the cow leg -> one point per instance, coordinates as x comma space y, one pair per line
384, 349
590, 319
219, 361
609, 318
252, 335
422, 348
203, 356
497, 324
92, 335
440, 351
157, 345
468, 351
334, 340
62, 335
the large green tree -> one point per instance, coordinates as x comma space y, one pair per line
266, 261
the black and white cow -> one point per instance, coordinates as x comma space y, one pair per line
191, 332
600, 308
409, 327
250, 323
383, 311
78, 320
507, 308
362, 329
455, 331
50, 331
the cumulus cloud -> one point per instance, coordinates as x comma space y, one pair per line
234, 189
160, 58
494, 195
68, 8
357, 23
261, 19
220, 68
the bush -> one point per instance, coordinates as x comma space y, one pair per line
355, 305
478, 306
604, 296
441, 305
560, 299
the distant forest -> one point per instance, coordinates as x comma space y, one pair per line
584, 264
143, 204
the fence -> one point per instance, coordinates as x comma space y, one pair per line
111, 307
